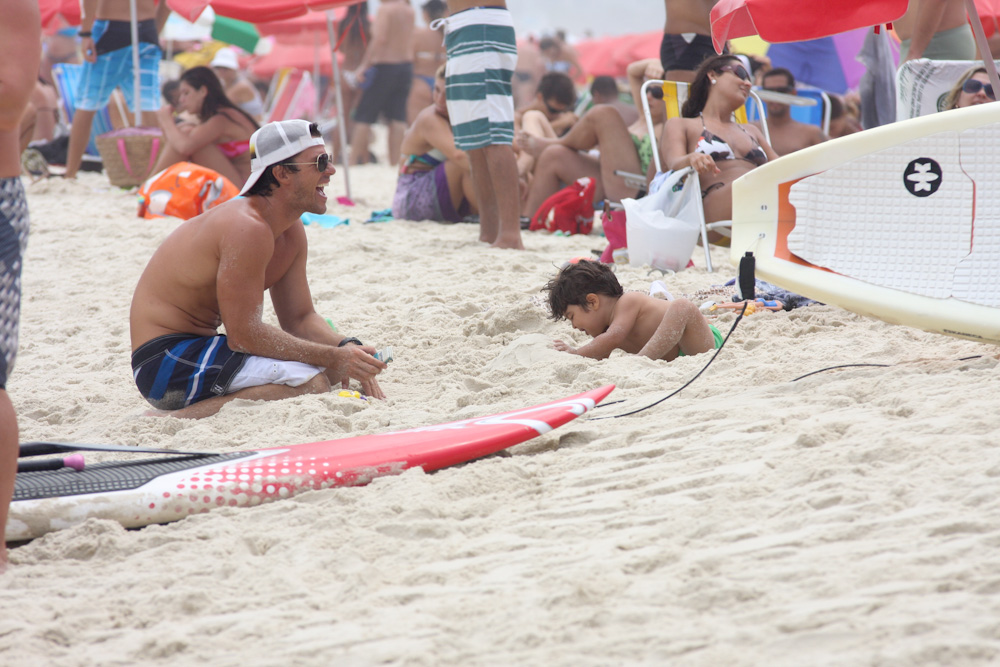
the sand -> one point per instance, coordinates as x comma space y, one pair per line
848, 518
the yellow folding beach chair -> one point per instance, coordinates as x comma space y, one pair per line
674, 95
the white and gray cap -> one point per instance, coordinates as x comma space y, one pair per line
276, 142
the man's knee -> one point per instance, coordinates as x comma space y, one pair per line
318, 384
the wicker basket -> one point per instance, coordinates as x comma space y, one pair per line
129, 154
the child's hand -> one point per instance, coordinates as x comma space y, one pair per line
563, 347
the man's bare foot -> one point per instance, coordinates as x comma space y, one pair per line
533, 145
508, 244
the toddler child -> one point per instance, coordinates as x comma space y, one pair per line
588, 294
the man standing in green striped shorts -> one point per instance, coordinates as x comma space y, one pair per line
482, 54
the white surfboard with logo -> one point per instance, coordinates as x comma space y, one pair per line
901, 222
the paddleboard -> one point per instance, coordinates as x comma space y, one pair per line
160, 490
900, 222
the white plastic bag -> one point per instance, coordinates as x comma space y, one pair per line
662, 228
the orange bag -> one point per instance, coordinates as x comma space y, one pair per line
184, 190
571, 210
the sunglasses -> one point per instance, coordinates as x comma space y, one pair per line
323, 161
788, 90
738, 70
972, 86
656, 92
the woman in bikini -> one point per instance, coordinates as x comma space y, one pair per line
435, 181
220, 141
707, 139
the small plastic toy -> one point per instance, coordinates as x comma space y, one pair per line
348, 393
752, 307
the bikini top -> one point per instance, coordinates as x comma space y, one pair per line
430, 159
717, 148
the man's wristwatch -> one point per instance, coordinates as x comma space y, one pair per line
84, 33
349, 340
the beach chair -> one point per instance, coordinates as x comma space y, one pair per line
674, 95
808, 105
66, 77
922, 85
294, 96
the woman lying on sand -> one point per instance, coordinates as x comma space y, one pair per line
221, 141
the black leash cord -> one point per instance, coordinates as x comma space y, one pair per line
833, 368
686, 384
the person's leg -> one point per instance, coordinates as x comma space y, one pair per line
421, 97
269, 392
360, 138
503, 181
211, 157
556, 166
168, 156
536, 134
396, 131
682, 327
8, 467
26, 130
460, 185
79, 137
603, 126
489, 218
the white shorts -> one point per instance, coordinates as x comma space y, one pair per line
259, 371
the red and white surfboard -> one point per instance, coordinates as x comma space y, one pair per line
160, 490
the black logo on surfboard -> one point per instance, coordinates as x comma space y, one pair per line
922, 177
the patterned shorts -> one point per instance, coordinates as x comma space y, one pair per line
13, 241
114, 70
482, 55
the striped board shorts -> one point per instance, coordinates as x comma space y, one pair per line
482, 55
13, 240
177, 370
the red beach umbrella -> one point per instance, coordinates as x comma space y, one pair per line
256, 11
51, 10
612, 55
794, 20
989, 14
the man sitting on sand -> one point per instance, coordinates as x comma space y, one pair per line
213, 269
588, 294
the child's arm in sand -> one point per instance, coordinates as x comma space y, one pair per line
622, 322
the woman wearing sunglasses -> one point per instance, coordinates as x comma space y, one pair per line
707, 139
972, 88
221, 139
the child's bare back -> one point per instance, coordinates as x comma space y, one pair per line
589, 296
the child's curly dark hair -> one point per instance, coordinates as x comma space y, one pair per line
574, 282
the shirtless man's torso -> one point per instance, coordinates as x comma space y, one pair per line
935, 29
